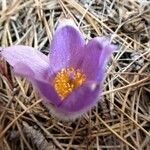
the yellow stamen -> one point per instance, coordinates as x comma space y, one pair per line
67, 80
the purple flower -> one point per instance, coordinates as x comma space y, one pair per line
70, 77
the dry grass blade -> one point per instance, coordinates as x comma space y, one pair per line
37, 138
5, 130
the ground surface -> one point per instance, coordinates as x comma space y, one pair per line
121, 120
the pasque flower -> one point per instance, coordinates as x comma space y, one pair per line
69, 78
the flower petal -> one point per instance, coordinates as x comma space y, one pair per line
81, 99
65, 116
65, 46
21, 67
97, 52
27, 61
47, 92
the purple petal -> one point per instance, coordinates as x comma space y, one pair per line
97, 52
81, 99
47, 92
20, 67
66, 45
71, 116
27, 61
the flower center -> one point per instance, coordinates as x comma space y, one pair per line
67, 80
